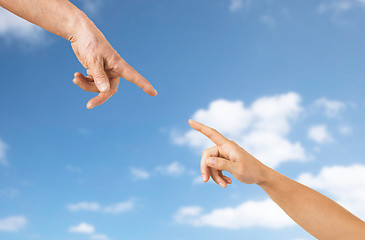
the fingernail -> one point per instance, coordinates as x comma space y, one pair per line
212, 161
155, 92
204, 178
89, 106
103, 87
222, 185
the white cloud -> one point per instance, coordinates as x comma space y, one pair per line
345, 184
14, 27
96, 207
198, 180
13, 223
188, 214
249, 214
268, 20
319, 134
3, 148
173, 169
138, 173
99, 237
82, 228
120, 207
262, 129
84, 206
332, 108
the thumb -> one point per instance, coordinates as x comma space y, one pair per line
100, 78
222, 164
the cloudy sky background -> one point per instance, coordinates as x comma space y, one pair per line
283, 79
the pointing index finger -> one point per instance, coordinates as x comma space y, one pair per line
130, 74
211, 133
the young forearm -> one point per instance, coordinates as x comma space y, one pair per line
57, 16
317, 214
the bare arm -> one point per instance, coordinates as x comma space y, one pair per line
314, 212
56, 16
104, 65
317, 214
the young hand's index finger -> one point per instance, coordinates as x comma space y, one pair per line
211, 133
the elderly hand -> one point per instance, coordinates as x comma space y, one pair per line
104, 66
228, 156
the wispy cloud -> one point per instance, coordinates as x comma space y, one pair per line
72, 168
268, 20
13, 223
119, 207
3, 149
139, 173
84, 206
319, 134
339, 10
99, 237
336, 6
9, 192
91, 6
96, 207
345, 129
173, 169
239, 4
331, 108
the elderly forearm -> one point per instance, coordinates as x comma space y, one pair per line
57, 16
317, 214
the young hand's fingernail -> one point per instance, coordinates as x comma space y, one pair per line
103, 87
204, 177
89, 106
155, 92
222, 185
212, 161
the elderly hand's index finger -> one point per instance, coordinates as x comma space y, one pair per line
211, 133
130, 74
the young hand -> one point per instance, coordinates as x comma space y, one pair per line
228, 156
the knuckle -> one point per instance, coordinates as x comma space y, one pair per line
211, 131
220, 164
94, 60
99, 76
205, 153
119, 66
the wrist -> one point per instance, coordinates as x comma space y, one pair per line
77, 26
267, 176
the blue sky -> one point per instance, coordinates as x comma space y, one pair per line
268, 74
